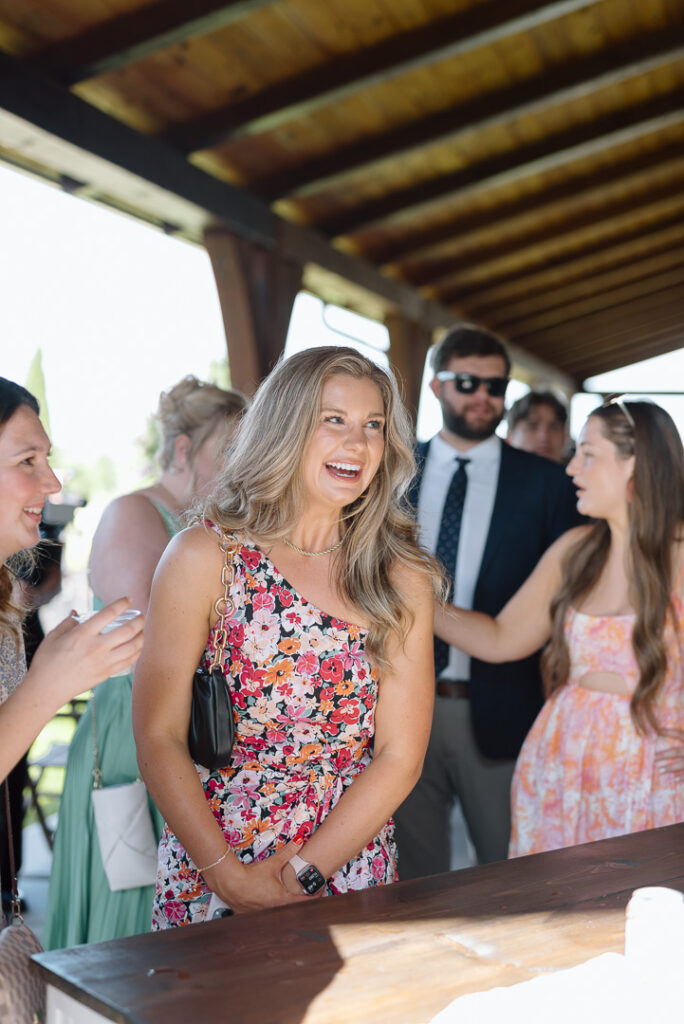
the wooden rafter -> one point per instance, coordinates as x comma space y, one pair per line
134, 161
555, 150
623, 218
603, 300
411, 254
320, 86
140, 33
664, 236
553, 220
507, 318
574, 80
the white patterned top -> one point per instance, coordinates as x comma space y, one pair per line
12, 664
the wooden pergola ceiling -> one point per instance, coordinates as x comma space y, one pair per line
516, 163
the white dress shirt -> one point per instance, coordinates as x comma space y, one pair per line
483, 476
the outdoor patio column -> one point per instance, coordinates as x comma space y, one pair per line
409, 343
257, 288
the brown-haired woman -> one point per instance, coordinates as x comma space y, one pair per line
71, 656
609, 601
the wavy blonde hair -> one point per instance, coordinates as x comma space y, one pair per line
261, 491
656, 521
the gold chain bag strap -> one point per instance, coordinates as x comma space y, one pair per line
22, 993
123, 822
211, 732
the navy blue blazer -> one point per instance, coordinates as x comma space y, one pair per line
535, 503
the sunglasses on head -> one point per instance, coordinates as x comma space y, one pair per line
617, 400
468, 383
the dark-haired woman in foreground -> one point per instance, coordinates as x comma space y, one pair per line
606, 754
71, 656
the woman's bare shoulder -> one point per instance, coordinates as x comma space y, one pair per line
412, 582
195, 542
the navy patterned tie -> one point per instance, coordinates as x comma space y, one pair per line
447, 543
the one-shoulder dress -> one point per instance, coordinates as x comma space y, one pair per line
584, 772
304, 697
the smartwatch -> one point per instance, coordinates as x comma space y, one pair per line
308, 875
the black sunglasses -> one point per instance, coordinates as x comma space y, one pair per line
468, 383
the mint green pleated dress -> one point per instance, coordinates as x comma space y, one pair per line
81, 906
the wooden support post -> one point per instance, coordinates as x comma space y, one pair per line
257, 288
409, 343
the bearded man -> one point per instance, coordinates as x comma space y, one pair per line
488, 512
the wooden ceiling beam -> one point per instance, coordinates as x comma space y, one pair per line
352, 73
421, 265
667, 340
585, 332
629, 347
462, 296
138, 34
651, 244
564, 230
605, 300
548, 247
507, 317
574, 80
72, 137
553, 151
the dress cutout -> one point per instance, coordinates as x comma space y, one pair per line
584, 772
304, 697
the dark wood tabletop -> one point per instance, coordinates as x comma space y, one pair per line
393, 955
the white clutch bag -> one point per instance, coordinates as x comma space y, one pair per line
126, 835
124, 828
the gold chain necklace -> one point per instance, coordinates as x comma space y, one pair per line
312, 554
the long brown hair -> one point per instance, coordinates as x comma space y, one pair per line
260, 490
12, 397
655, 516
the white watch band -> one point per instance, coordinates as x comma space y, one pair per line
298, 863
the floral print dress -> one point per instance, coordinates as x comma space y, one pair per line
584, 772
304, 697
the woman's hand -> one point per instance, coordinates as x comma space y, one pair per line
671, 760
74, 656
264, 883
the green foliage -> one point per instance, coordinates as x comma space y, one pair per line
219, 373
35, 383
91, 479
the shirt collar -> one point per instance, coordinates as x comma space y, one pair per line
482, 453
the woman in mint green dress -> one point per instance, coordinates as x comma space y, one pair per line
196, 421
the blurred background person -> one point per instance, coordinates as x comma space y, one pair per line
538, 423
196, 421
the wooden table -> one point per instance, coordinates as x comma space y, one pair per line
395, 955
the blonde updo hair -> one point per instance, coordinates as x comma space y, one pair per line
193, 407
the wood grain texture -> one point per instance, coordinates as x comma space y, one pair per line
397, 954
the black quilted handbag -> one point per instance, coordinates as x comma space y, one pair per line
211, 732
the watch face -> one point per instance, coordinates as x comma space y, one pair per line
311, 880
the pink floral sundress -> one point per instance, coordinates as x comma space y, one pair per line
304, 697
584, 772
